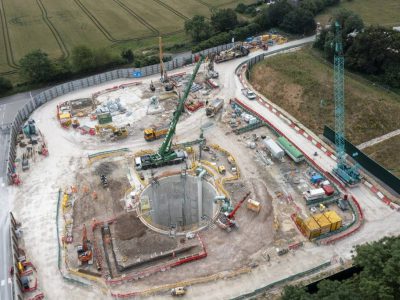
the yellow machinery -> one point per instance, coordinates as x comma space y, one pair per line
221, 170
178, 291
253, 205
151, 134
117, 132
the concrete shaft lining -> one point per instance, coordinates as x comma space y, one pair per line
174, 201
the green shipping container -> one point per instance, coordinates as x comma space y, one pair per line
104, 118
291, 150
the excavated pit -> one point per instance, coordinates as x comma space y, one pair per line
171, 203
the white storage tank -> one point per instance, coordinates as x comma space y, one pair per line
276, 151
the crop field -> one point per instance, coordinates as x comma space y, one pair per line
373, 12
56, 26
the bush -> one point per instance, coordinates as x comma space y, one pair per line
5, 85
36, 67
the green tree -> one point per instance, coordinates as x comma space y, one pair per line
241, 8
379, 278
310, 5
278, 11
36, 66
103, 58
350, 23
198, 28
299, 21
82, 59
291, 292
263, 20
224, 20
127, 55
5, 85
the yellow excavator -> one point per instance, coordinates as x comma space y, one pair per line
117, 132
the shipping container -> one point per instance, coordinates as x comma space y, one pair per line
314, 194
323, 223
311, 228
104, 118
328, 190
325, 182
334, 218
317, 178
291, 150
276, 151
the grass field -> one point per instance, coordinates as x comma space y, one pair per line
373, 12
302, 83
56, 26
385, 154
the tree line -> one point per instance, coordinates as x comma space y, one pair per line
224, 24
378, 279
373, 51
37, 67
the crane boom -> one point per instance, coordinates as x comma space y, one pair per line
162, 67
349, 175
339, 95
166, 145
165, 155
84, 238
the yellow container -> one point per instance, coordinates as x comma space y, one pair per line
334, 218
323, 222
265, 37
311, 228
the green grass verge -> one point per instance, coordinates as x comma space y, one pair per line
301, 82
373, 12
387, 154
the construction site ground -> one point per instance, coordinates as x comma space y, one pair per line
251, 248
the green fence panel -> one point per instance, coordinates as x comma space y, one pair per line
366, 162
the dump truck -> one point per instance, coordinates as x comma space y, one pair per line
249, 94
154, 133
232, 53
214, 107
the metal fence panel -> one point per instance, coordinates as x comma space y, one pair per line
366, 162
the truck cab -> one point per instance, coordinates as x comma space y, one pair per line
151, 134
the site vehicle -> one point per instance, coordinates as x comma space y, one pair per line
211, 73
178, 291
226, 220
165, 80
116, 132
232, 53
221, 170
120, 133
151, 134
249, 94
84, 251
165, 154
214, 107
